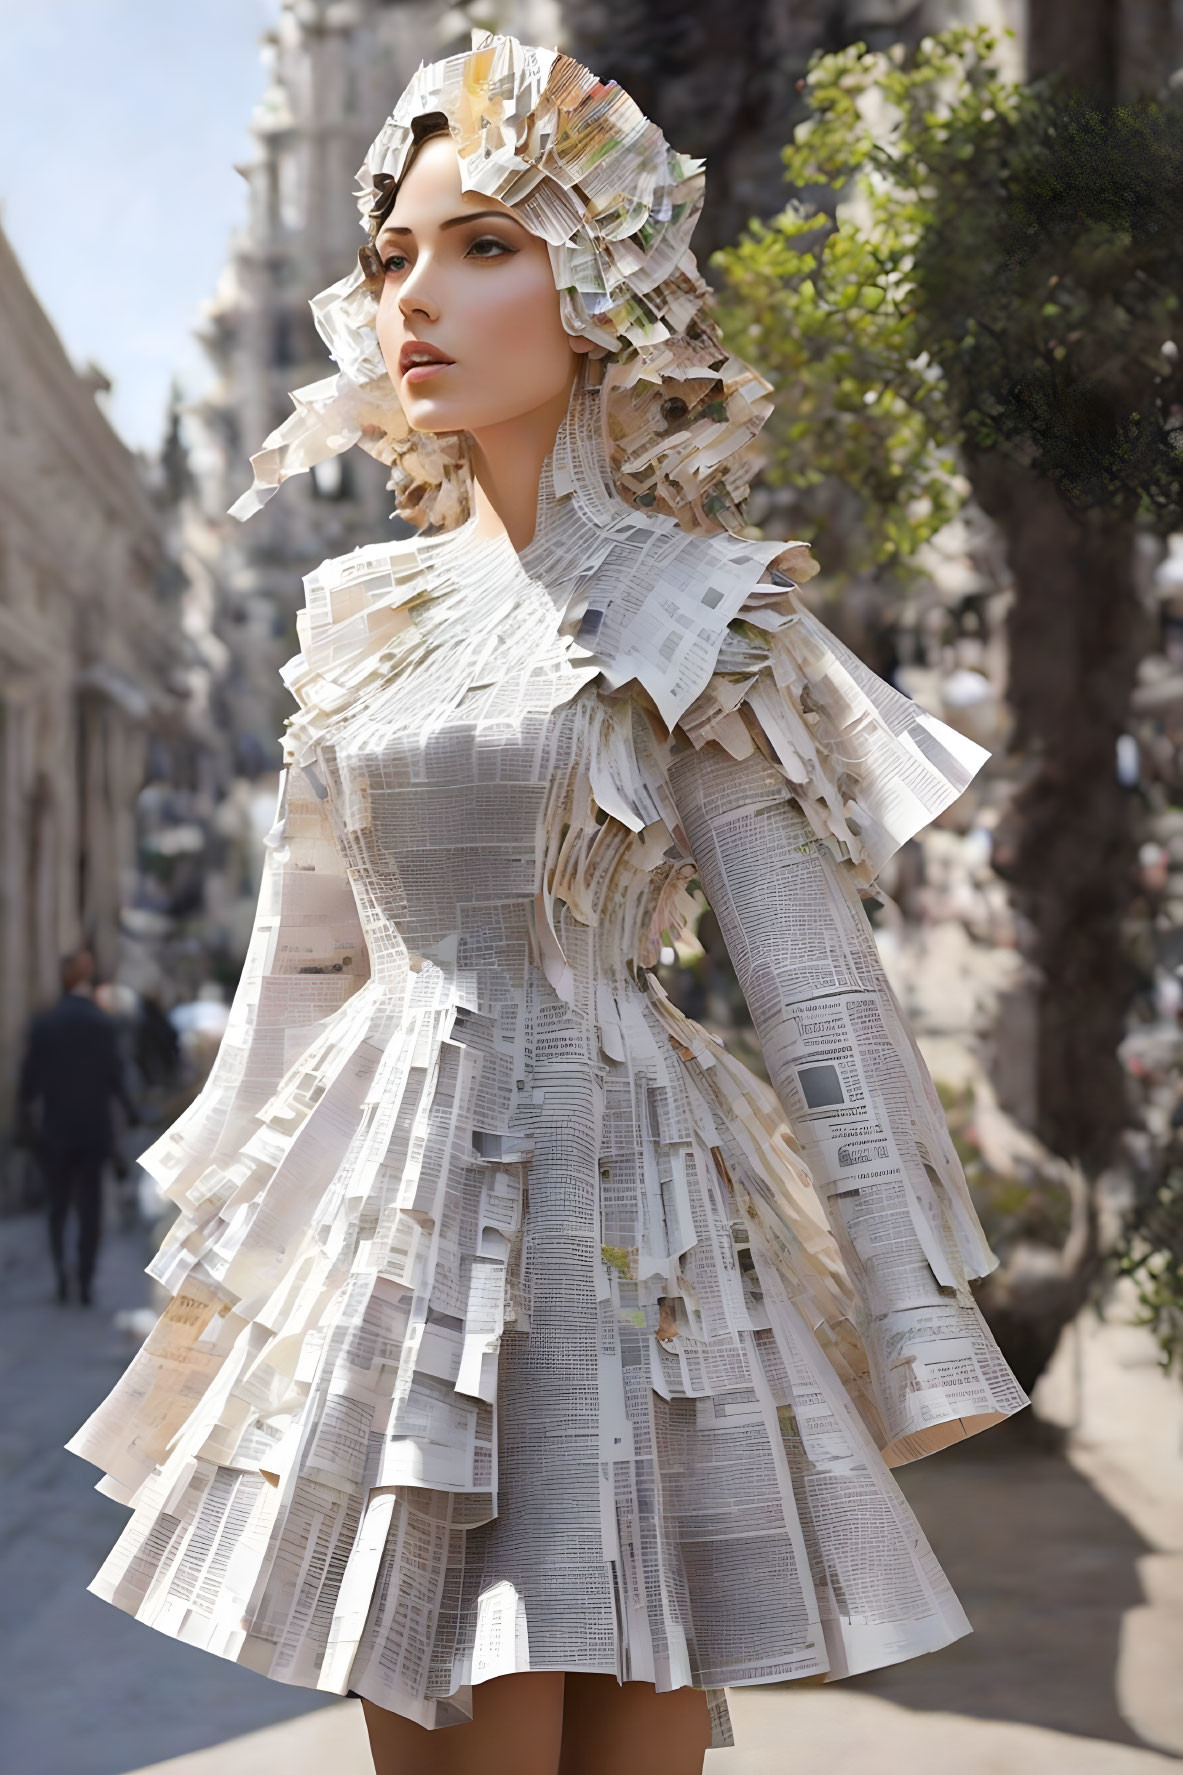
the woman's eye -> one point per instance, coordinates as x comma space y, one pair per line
395, 262
489, 247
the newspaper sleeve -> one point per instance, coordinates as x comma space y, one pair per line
845, 1071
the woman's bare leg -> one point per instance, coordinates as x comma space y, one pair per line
612, 1728
516, 1729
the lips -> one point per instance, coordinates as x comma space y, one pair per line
418, 354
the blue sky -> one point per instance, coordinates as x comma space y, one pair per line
120, 123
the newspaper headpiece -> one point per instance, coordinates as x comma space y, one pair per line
588, 173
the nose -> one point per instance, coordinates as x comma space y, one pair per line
414, 299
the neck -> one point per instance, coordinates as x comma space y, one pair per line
507, 464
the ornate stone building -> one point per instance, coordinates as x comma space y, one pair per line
89, 662
335, 70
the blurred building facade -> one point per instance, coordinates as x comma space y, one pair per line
89, 662
335, 69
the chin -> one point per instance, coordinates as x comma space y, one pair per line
434, 416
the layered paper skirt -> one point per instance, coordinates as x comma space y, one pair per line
591, 1392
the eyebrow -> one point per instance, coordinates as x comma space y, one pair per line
457, 221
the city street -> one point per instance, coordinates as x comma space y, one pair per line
1066, 1548
725, 569
84, 1689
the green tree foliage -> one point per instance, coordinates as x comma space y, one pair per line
823, 297
968, 263
1151, 1254
1050, 287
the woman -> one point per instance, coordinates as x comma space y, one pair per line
525, 1375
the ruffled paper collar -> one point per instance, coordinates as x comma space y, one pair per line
635, 598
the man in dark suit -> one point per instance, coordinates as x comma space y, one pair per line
70, 1081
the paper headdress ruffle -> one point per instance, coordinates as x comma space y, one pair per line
587, 172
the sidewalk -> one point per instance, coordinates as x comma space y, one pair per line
1067, 1551
84, 1689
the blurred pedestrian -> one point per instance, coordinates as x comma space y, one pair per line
71, 1080
157, 1046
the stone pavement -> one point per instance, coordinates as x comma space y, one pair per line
85, 1690
1064, 1542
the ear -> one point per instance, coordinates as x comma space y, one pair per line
586, 347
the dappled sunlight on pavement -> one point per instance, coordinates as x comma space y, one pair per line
1065, 1544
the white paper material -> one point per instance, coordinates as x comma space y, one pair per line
514, 1325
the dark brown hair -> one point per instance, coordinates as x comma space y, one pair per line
432, 123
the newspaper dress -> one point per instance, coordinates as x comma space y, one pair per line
514, 1324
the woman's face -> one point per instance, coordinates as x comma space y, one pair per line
469, 289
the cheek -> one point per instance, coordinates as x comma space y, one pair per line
515, 321
389, 324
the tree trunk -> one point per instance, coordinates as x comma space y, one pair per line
1078, 42
1115, 50
1076, 635
1075, 638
